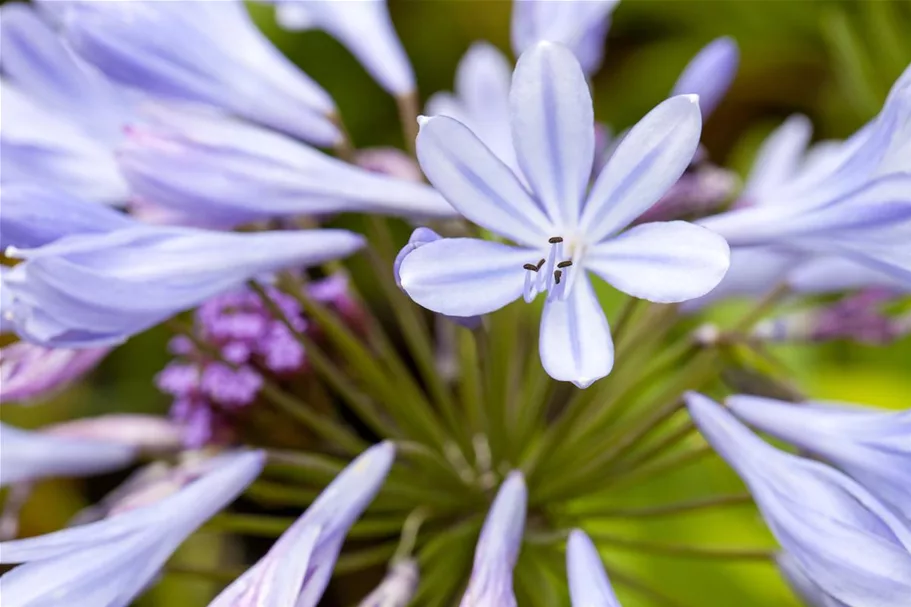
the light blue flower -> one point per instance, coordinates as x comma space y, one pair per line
561, 230
207, 52
480, 100
580, 25
588, 583
498, 547
228, 172
61, 118
811, 594
296, 571
850, 199
871, 445
709, 74
102, 288
109, 562
36, 214
364, 28
851, 545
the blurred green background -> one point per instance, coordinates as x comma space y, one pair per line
833, 61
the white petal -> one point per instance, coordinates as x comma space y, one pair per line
553, 128
465, 276
648, 161
477, 183
666, 262
576, 343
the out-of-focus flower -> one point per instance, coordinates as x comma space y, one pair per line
81, 447
498, 547
702, 189
580, 25
389, 161
61, 118
111, 561
859, 317
228, 172
30, 372
364, 28
397, 588
870, 445
481, 100
562, 230
588, 583
205, 52
804, 587
709, 74
851, 545
101, 289
6, 303
848, 199
297, 569
36, 214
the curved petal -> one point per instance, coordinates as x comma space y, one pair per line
709, 74
649, 160
465, 276
477, 183
576, 343
588, 583
662, 262
553, 127
778, 160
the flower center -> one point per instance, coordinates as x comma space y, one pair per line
552, 274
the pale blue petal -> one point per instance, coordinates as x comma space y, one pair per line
709, 74
479, 185
95, 289
575, 342
34, 215
553, 127
664, 262
831, 274
32, 456
849, 543
498, 547
209, 52
778, 161
588, 582
649, 160
465, 276
226, 171
30, 372
871, 445
811, 594
6, 303
365, 29
418, 238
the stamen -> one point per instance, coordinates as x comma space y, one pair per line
532, 267
557, 275
540, 263
555, 239
564, 264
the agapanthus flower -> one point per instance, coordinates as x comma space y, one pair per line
228, 173
709, 74
29, 372
843, 538
109, 562
35, 214
101, 289
61, 118
871, 445
297, 568
811, 594
80, 448
364, 28
205, 52
588, 583
498, 547
581, 25
562, 231
848, 199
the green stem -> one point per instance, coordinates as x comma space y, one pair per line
686, 550
596, 512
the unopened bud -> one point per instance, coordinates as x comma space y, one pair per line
397, 588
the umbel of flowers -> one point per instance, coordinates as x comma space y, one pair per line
164, 165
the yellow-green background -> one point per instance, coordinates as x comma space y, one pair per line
831, 60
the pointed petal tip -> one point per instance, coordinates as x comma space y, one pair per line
423, 120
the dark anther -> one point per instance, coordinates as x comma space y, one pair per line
555, 239
564, 264
531, 266
557, 275
540, 263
